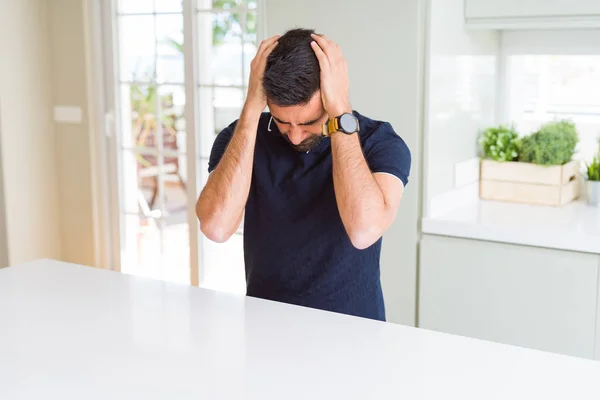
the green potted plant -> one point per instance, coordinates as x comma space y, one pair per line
593, 180
553, 144
535, 169
500, 143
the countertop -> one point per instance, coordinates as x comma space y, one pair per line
575, 226
72, 332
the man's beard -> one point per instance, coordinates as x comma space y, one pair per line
308, 144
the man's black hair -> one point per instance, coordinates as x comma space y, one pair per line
292, 73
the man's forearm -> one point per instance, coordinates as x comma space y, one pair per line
359, 198
221, 204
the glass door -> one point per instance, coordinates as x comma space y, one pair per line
177, 72
227, 37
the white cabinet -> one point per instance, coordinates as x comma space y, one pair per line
530, 8
532, 297
531, 14
597, 347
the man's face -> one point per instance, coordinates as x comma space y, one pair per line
301, 125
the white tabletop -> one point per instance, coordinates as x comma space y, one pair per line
575, 226
70, 332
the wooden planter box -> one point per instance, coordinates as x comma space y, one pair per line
529, 183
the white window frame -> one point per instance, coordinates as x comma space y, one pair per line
102, 65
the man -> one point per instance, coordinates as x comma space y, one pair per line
319, 183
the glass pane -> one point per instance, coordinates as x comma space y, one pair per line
135, 6
220, 49
219, 107
136, 188
249, 53
169, 35
248, 23
227, 105
138, 111
172, 106
224, 265
169, 6
227, 4
174, 173
170, 69
161, 189
175, 192
137, 48
169, 41
155, 248
220, 4
142, 178
250, 33
146, 162
176, 250
140, 241
545, 88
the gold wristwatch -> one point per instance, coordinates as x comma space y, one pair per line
347, 123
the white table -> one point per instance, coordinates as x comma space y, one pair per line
71, 332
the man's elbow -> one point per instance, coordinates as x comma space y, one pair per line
210, 226
215, 233
363, 238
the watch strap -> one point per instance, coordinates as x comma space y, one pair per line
332, 126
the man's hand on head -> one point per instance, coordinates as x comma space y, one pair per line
256, 100
334, 76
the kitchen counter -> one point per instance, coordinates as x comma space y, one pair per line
575, 226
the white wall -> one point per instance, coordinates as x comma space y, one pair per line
461, 98
383, 43
3, 243
28, 141
72, 140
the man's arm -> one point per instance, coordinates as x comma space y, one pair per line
367, 203
221, 204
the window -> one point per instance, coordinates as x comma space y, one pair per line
552, 76
227, 36
153, 87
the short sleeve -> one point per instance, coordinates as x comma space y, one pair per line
219, 146
386, 152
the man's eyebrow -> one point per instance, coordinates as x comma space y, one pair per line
304, 123
280, 121
313, 121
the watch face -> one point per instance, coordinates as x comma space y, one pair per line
348, 123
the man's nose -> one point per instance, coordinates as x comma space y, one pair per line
296, 135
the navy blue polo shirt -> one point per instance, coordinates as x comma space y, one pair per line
296, 249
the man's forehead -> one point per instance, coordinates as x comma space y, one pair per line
300, 114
